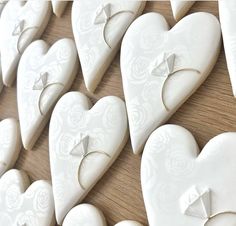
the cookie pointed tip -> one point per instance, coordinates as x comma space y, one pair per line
26, 143
137, 149
136, 152
234, 92
7, 82
59, 216
90, 86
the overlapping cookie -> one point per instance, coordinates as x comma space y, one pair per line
22, 204
21, 23
84, 141
181, 186
161, 67
98, 28
45, 73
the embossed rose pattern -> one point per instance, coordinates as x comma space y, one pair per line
34, 207
143, 91
106, 126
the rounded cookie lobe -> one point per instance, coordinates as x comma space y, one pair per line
179, 185
84, 215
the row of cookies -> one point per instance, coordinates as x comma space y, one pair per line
44, 85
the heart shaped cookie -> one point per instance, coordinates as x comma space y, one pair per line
21, 207
59, 7
10, 143
180, 8
86, 214
98, 27
21, 23
83, 143
161, 68
44, 74
227, 10
182, 187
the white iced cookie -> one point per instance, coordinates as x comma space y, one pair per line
227, 10
10, 144
1, 83
181, 186
21, 23
129, 223
85, 215
98, 27
44, 74
161, 68
22, 204
59, 7
89, 215
180, 8
2, 4
83, 143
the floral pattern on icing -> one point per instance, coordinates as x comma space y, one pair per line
184, 186
98, 29
41, 81
34, 206
103, 137
140, 50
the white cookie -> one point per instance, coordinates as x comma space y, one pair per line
2, 4
98, 27
182, 187
21, 23
180, 8
59, 7
1, 83
44, 74
153, 59
227, 10
129, 223
85, 215
83, 143
22, 204
10, 144
89, 215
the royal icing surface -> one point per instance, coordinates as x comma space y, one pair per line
181, 186
21, 23
89, 215
22, 204
98, 27
59, 7
83, 143
2, 4
227, 10
161, 68
180, 8
10, 143
45, 73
